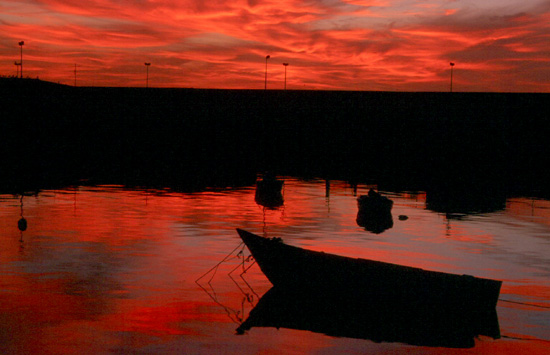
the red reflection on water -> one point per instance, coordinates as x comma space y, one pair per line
538, 295
100, 262
119, 266
535, 210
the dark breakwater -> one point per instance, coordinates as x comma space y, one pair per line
188, 137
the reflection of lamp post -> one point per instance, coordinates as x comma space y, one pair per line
286, 65
452, 65
266, 58
147, 80
21, 62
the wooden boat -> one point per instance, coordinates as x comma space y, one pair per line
378, 321
291, 267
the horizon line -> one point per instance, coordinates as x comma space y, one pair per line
13, 78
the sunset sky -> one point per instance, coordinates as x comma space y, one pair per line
396, 45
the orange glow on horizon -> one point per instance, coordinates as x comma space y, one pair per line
339, 45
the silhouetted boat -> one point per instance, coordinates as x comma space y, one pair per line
373, 202
374, 212
344, 315
291, 267
269, 192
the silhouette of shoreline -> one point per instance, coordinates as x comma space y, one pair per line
52, 132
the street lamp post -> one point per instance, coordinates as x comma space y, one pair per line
21, 62
452, 65
286, 65
265, 84
147, 65
17, 65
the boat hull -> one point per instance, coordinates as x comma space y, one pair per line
291, 267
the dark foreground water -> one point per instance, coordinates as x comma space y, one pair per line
108, 269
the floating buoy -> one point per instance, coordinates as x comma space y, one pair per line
22, 224
403, 217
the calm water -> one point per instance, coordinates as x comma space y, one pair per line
107, 269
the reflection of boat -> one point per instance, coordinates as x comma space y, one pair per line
269, 192
344, 315
374, 212
457, 199
292, 267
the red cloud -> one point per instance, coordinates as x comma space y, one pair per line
330, 44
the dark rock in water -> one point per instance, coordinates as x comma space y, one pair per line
403, 217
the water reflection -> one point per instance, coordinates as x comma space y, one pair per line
457, 201
342, 315
113, 269
22, 222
